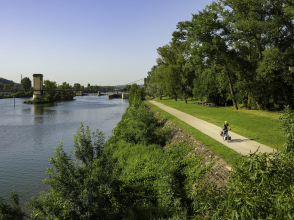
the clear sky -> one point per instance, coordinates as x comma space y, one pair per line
101, 42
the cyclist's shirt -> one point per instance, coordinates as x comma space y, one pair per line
225, 127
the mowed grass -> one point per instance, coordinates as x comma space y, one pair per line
223, 151
260, 126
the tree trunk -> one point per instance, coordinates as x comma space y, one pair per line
185, 101
232, 92
176, 98
258, 105
249, 101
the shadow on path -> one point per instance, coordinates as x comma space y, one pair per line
241, 140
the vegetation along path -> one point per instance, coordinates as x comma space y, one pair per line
238, 143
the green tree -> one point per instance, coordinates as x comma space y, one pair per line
15, 86
65, 92
212, 51
26, 83
128, 87
169, 70
154, 83
182, 53
13, 210
260, 31
50, 94
136, 95
81, 187
7, 87
77, 86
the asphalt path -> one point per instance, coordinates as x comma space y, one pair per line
238, 143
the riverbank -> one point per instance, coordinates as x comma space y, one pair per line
201, 180
147, 170
218, 173
151, 169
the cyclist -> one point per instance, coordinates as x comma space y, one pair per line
225, 127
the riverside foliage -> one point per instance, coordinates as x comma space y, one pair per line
240, 52
134, 178
65, 91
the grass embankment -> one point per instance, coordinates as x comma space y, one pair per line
223, 151
260, 126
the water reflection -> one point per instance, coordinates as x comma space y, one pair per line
43, 113
27, 111
38, 110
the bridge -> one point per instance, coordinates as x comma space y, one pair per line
38, 89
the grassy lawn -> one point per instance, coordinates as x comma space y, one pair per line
260, 126
224, 152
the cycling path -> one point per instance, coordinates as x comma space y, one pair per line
238, 143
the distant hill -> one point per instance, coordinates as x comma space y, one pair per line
6, 81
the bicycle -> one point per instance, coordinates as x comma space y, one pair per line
226, 136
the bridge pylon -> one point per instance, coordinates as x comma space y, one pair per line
38, 86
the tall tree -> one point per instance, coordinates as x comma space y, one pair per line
26, 83
259, 31
182, 53
169, 70
210, 48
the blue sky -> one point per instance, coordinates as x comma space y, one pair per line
98, 42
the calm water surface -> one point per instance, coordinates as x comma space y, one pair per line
29, 134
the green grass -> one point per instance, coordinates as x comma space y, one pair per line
260, 126
223, 151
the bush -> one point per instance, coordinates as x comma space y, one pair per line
136, 95
139, 125
155, 182
80, 188
13, 210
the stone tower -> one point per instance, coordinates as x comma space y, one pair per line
38, 86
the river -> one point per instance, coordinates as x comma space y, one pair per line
29, 134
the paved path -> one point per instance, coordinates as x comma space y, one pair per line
238, 143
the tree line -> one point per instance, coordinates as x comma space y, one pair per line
238, 52
26, 86
95, 88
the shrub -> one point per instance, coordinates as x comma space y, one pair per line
139, 125
136, 95
13, 210
80, 188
